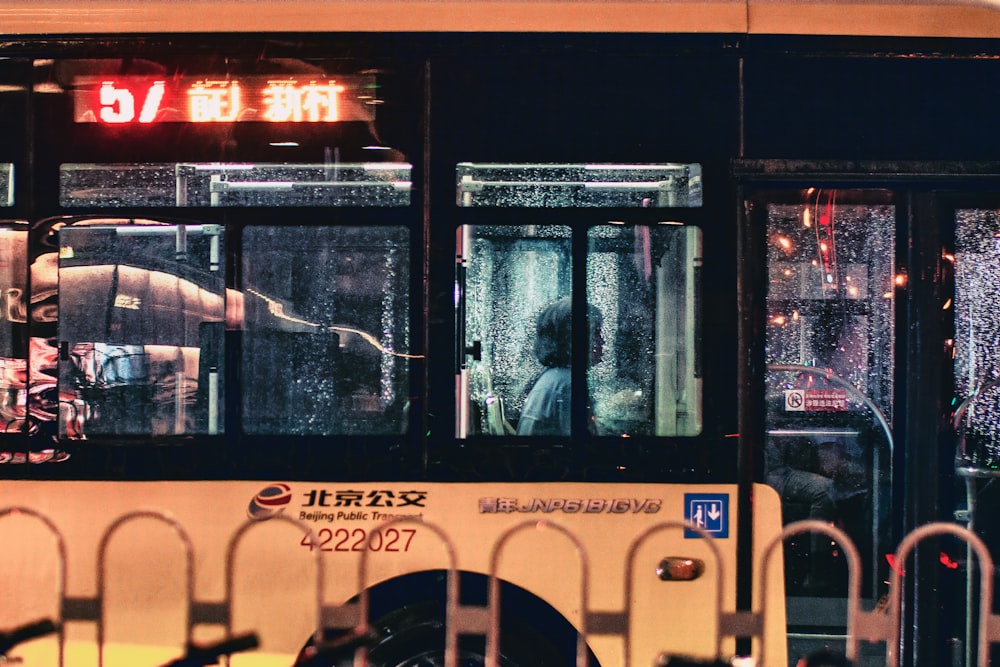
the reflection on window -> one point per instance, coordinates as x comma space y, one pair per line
14, 400
830, 291
977, 330
141, 320
642, 336
376, 184
568, 185
6, 184
829, 350
326, 340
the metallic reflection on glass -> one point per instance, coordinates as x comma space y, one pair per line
977, 332
6, 184
326, 339
14, 395
642, 286
375, 184
141, 322
829, 350
569, 185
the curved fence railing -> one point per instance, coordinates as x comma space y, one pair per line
881, 625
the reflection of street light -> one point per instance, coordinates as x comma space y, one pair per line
277, 309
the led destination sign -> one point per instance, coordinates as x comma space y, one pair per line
125, 100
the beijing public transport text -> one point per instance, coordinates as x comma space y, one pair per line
122, 100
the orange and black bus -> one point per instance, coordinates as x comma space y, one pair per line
501, 333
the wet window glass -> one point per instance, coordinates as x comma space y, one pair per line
14, 317
6, 184
643, 339
140, 327
586, 185
509, 275
829, 351
376, 184
326, 330
643, 286
977, 328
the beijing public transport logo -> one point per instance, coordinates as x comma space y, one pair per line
269, 502
343, 504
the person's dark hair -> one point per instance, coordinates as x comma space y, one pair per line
554, 332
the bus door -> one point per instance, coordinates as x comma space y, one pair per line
974, 380
829, 360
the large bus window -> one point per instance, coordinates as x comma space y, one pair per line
643, 374
326, 339
515, 304
829, 350
141, 320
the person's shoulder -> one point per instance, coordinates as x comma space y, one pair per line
558, 375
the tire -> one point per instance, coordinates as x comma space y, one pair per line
532, 634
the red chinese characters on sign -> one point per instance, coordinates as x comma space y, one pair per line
124, 100
815, 400
290, 101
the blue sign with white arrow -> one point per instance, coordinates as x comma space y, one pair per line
708, 511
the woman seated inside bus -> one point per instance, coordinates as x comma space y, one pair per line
547, 409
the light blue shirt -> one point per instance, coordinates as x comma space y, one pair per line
547, 408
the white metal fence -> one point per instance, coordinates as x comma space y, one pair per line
880, 625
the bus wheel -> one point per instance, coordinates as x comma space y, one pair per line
414, 636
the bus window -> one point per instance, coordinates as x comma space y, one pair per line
326, 330
374, 184
512, 274
829, 350
514, 293
579, 185
644, 281
643, 367
14, 316
140, 325
6, 184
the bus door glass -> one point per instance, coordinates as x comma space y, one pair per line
516, 286
829, 394
977, 327
976, 369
